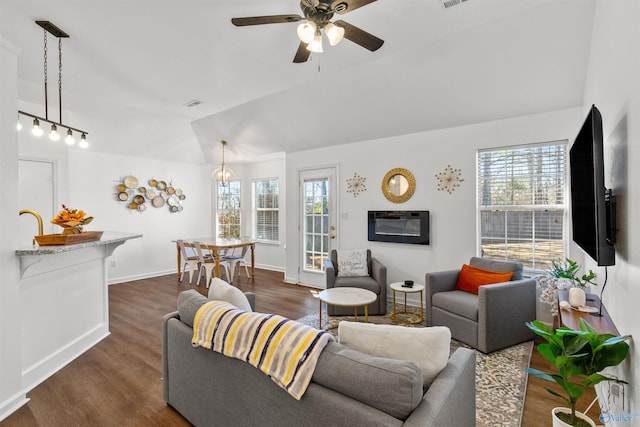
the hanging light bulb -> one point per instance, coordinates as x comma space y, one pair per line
69, 139
37, 130
306, 31
223, 173
334, 33
18, 124
316, 44
54, 135
83, 141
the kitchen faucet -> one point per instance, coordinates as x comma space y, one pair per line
38, 217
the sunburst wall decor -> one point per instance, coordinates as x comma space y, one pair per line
449, 179
356, 185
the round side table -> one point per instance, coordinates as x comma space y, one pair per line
419, 317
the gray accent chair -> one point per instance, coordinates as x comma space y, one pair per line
376, 282
493, 319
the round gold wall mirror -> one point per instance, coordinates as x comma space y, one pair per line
398, 185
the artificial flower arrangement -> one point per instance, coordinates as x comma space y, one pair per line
562, 276
72, 220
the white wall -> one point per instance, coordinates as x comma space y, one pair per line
94, 177
453, 216
11, 394
613, 85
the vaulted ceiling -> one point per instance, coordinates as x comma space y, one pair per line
129, 67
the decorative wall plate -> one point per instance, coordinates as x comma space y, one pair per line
131, 181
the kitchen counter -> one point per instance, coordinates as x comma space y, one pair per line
108, 238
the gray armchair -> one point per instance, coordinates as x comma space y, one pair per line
493, 319
376, 282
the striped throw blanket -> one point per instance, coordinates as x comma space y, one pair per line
285, 350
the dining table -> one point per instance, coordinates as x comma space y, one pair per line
215, 245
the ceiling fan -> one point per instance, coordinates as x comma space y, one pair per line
318, 14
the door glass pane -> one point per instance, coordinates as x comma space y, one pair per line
316, 223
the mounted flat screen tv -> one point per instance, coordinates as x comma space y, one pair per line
592, 205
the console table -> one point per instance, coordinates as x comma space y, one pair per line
571, 318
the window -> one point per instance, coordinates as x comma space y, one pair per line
228, 208
521, 204
266, 203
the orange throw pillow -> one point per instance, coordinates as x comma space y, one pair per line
472, 278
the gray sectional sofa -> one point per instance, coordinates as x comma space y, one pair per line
348, 388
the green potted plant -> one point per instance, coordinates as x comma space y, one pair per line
569, 270
579, 358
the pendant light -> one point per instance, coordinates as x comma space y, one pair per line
54, 135
223, 173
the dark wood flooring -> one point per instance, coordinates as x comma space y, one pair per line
118, 382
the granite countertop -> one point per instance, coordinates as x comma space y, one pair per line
108, 237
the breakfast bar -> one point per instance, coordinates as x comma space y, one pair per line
64, 302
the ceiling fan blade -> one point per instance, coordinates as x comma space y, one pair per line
302, 55
344, 6
360, 37
259, 20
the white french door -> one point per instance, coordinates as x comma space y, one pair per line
317, 223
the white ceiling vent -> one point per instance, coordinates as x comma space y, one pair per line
192, 103
450, 3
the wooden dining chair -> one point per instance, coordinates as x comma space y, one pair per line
206, 262
189, 259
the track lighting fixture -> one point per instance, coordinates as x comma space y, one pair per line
48, 27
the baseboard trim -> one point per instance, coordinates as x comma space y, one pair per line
35, 374
124, 279
12, 404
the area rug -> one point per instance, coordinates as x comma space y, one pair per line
501, 380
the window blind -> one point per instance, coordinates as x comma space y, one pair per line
521, 203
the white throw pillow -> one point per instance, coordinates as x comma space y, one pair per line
426, 347
352, 262
222, 291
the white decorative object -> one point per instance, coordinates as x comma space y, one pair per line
426, 347
356, 185
559, 423
449, 179
577, 297
352, 262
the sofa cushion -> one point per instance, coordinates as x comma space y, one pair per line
366, 282
222, 291
471, 278
188, 304
462, 303
487, 264
352, 262
392, 386
426, 347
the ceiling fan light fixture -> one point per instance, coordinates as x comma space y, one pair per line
334, 33
316, 44
306, 31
